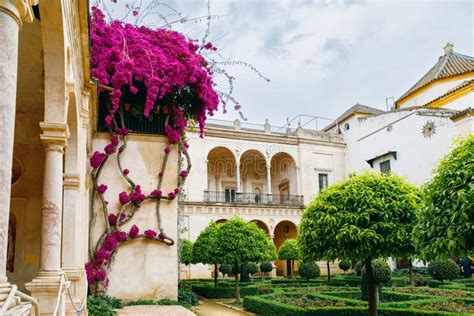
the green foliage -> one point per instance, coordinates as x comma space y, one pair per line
289, 250
368, 215
250, 268
208, 291
186, 251
242, 242
309, 270
142, 302
345, 265
187, 298
382, 272
225, 269
266, 266
358, 268
102, 305
206, 248
443, 269
446, 220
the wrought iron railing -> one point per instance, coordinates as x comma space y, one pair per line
252, 198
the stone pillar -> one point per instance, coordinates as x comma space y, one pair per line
269, 178
237, 175
47, 284
11, 15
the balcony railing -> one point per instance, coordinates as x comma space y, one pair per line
252, 198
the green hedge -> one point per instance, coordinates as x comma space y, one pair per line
209, 291
265, 305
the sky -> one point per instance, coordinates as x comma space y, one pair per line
324, 56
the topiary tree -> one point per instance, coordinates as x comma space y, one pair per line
289, 251
446, 220
382, 275
225, 269
242, 242
345, 265
266, 267
186, 252
250, 268
368, 216
309, 271
442, 270
206, 249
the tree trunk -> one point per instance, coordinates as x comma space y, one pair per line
237, 289
215, 275
410, 272
371, 287
291, 268
329, 271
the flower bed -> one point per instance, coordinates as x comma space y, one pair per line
209, 291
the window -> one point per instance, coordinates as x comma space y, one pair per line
323, 181
347, 126
385, 166
230, 195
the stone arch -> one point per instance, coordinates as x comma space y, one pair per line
284, 175
284, 230
221, 170
54, 54
262, 226
253, 171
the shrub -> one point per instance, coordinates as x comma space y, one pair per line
419, 280
382, 276
434, 283
187, 298
443, 269
142, 302
102, 305
225, 269
309, 271
223, 292
266, 267
345, 265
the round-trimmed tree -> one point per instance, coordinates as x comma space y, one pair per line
241, 242
289, 251
345, 265
225, 269
186, 252
266, 267
368, 216
445, 225
308, 270
441, 270
206, 249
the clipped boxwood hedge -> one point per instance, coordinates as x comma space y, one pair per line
208, 291
265, 305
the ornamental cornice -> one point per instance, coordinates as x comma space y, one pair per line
54, 136
20, 10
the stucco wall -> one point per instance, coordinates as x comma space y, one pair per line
142, 268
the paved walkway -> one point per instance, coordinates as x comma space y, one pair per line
212, 308
159, 310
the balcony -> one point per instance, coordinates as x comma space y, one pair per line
253, 199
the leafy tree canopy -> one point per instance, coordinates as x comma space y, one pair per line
288, 250
266, 266
206, 248
186, 251
308, 270
345, 265
446, 220
442, 270
369, 215
242, 242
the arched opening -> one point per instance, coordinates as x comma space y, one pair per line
221, 176
253, 174
262, 226
284, 230
284, 179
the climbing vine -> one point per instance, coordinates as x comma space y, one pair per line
178, 85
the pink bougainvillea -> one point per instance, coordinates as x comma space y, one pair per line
149, 233
133, 231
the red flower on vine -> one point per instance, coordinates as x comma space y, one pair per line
150, 233
133, 232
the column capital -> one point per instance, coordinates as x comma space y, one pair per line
55, 136
20, 10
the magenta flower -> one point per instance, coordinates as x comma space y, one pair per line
108, 120
160, 174
183, 174
167, 150
156, 193
102, 188
120, 236
173, 135
102, 255
161, 236
112, 219
110, 243
110, 148
122, 216
133, 231
137, 196
126, 171
114, 140
96, 159
172, 195
100, 275
135, 13
124, 198
177, 190
186, 145
150, 233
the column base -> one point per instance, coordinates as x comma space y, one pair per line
45, 287
78, 290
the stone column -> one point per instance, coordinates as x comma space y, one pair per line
46, 285
269, 178
11, 15
237, 174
